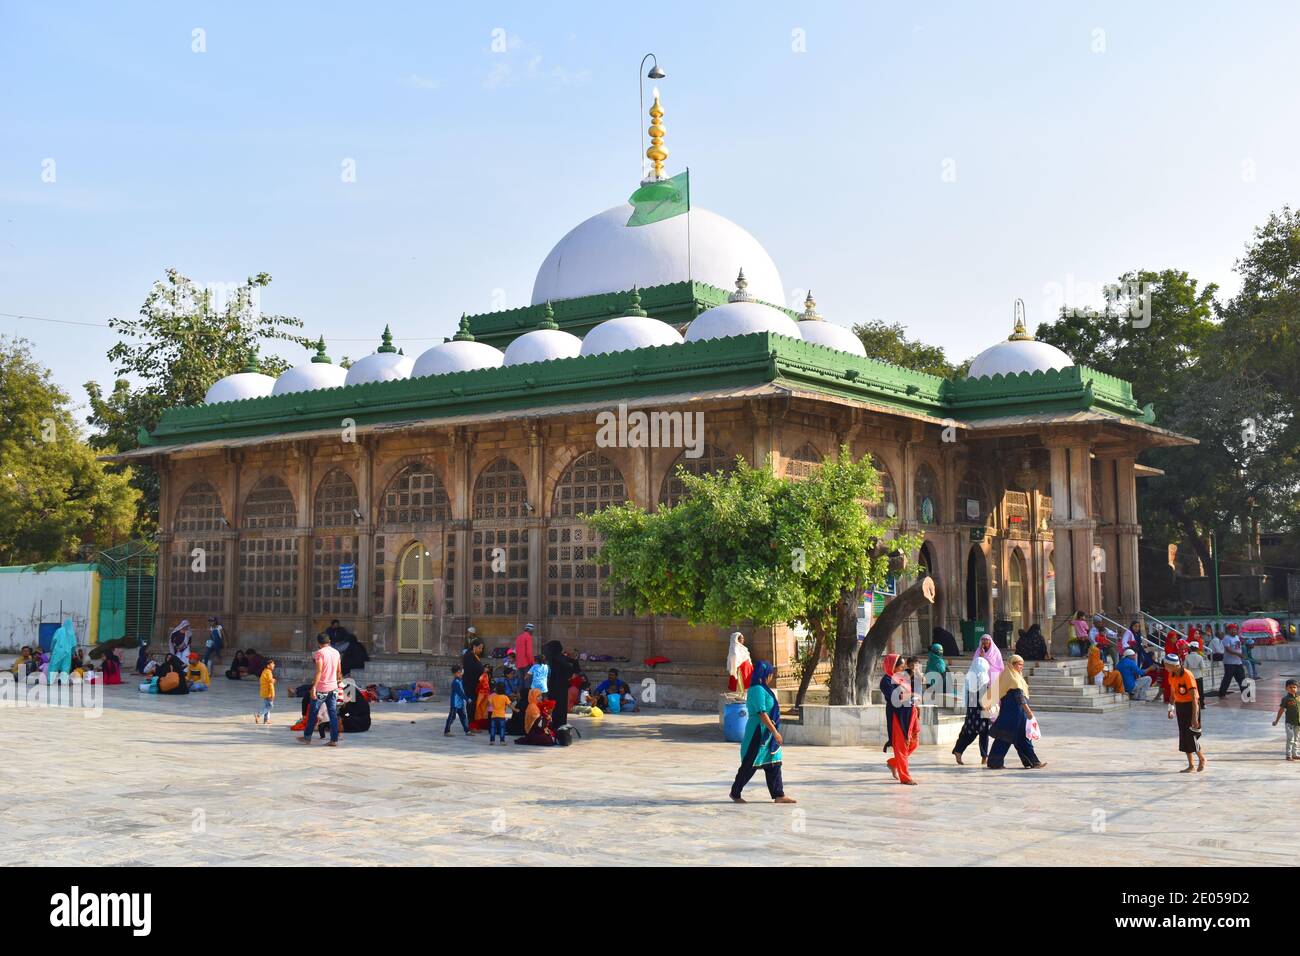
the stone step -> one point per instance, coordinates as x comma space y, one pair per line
1042, 680
1108, 702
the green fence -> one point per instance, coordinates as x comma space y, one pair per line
127, 584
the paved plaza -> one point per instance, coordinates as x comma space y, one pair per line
192, 780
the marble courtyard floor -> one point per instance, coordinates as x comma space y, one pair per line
191, 780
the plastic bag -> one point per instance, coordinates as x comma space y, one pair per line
1032, 730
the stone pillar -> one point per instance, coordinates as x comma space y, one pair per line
462, 461
1062, 549
166, 519
301, 457
1127, 533
235, 508
1086, 597
536, 525
369, 507
1106, 536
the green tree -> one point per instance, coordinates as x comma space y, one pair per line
889, 343
749, 546
54, 494
184, 339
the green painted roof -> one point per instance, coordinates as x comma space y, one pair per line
747, 360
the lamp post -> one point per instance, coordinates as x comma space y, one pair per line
654, 74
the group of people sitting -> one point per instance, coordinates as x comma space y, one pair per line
168, 674
532, 695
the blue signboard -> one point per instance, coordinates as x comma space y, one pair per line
347, 577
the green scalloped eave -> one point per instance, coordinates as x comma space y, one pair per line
661, 370
863, 379
1074, 388
673, 302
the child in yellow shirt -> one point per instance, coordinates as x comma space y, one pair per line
499, 707
267, 690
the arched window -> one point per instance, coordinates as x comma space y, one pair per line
972, 503
803, 462
887, 506
335, 507
576, 586
415, 496
198, 580
269, 505
501, 491
268, 562
926, 494
499, 541
713, 459
590, 483
336, 501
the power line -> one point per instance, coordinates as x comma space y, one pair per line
105, 325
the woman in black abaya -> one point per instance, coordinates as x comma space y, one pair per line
557, 683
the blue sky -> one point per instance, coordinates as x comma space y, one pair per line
1160, 141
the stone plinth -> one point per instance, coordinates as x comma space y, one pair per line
823, 725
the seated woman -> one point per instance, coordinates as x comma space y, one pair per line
253, 663
238, 666
541, 733
112, 669
1032, 646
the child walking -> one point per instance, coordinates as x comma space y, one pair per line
1290, 706
500, 706
266, 688
457, 702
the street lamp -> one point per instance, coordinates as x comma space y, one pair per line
654, 74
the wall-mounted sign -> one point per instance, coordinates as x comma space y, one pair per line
347, 577
973, 509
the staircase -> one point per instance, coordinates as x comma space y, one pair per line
1062, 685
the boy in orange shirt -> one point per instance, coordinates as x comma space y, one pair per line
267, 689
499, 707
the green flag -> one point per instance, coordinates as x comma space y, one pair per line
661, 200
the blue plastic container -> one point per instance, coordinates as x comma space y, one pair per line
734, 718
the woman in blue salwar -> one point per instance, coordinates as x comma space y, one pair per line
1009, 729
761, 745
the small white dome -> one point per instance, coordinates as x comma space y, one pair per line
542, 345
605, 254
237, 387
1020, 353
457, 356
385, 365
817, 330
821, 332
320, 372
634, 329
740, 315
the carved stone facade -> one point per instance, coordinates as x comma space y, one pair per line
481, 522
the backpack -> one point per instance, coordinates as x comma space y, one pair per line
564, 735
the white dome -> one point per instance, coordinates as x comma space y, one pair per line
605, 254
379, 367
821, 332
320, 372
457, 356
629, 332
740, 318
241, 385
542, 345
1018, 355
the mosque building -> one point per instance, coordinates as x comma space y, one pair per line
413, 497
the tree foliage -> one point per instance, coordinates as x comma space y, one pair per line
185, 338
888, 342
54, 494
747, 546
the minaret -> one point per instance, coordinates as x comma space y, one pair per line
656, 153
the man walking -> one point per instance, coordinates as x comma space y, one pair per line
1233, 662
324, 690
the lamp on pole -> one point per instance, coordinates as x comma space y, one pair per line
654, 74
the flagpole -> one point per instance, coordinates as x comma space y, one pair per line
688, 230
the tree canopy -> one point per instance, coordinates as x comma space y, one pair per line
888, 342
54, 494
185, 338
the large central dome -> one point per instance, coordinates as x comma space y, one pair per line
605, 254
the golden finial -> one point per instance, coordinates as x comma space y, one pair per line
656, 153
1019, 334
810, 310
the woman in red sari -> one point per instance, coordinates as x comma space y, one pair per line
902, 720
482, 717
